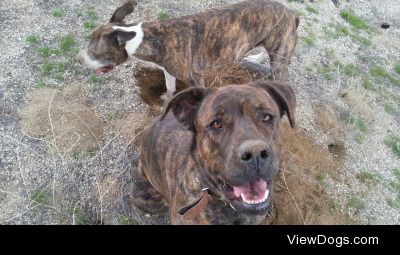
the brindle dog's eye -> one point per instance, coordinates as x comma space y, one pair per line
216, 124
267, 117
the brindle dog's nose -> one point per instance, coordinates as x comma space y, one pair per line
254, 152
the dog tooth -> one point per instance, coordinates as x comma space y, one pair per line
266, 194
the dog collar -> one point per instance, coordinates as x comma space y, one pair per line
192, 211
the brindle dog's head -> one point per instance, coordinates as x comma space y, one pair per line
107, 45
237, 138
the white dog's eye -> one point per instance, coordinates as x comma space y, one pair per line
267, 117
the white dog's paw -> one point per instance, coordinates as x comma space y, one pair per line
167, 96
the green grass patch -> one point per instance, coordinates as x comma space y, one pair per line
350, 17
311, 10
162, 15
57, 68
397, 68
81, 217
67, 43
89, 25
58, 13
335, 205
44, 52
367, 84
47, 67
351, 70
368, 177
40, 84
330, 53
309, 69
359, 138
356, 203
326, 71
342, 31
321, 177
396, 172
394, 203
40, 197
362, 128
362, 40
395, 185
393, 142
336, 30
389, 108
92, 14
33, 39
59, 77
309, 40
359, 123
94, 78
126, 221
381, 72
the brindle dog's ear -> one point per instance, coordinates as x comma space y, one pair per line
185, 104
123, 11
283, 95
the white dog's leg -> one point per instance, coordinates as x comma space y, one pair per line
170, 82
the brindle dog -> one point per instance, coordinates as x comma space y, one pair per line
184, 47
214, 158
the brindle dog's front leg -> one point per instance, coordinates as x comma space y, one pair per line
146, 198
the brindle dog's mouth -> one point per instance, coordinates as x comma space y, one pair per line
104, 69
251, 197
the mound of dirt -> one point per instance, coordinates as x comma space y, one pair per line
130, 128
300, 197
65, 118
358, 103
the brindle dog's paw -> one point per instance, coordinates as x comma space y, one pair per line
146, 198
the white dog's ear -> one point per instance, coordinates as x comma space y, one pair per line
124, 36
123, 11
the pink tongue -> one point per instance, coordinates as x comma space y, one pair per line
100, 70
104, 69
259, 187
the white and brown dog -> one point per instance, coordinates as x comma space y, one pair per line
184, 47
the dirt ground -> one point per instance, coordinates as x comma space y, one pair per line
68, 138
